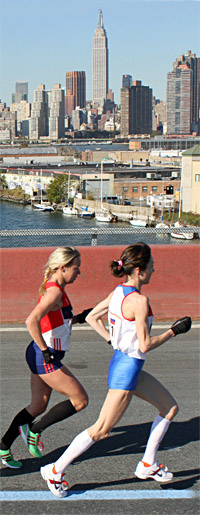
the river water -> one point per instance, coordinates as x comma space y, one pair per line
73, 230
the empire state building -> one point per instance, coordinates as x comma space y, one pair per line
100, 63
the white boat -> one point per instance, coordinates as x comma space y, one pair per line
43, 206
182, 235
85, 213
102, 215
182, 231
69, 210
138, 223
162, 225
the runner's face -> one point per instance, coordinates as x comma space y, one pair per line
148, 271
71, 272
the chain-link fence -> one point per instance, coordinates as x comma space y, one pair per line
96, 236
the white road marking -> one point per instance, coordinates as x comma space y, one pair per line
88, 328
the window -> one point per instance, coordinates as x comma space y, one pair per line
170, 190
125, 189
144, 188
178, 86
197, 177
135, 188
154, 188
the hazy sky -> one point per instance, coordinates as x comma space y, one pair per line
41, 41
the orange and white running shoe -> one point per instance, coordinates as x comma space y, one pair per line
158, 472
55, 482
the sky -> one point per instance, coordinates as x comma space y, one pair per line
41, 41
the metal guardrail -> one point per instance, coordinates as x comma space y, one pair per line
92, 236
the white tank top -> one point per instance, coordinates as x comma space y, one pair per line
123, 333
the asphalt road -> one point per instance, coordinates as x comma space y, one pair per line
102, 481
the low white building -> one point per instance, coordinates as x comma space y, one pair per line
190, 180
161, 201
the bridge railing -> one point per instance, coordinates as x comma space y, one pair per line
91, 236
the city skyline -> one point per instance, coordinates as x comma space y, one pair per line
41, 42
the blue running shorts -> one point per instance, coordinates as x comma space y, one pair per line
124, 371
36, 362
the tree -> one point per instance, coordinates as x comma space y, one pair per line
3, 182
57, 189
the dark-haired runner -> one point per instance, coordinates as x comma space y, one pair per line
130, 319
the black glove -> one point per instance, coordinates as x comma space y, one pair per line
48, 357
181, 326
82, 316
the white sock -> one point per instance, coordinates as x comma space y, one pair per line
158, 429
80, 444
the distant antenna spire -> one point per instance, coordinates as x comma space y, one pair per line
100, 19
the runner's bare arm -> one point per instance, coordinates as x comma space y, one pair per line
95, 317
50, 301
147, 343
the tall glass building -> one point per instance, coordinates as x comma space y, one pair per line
47, 115
21, 92
136, 109
126, 81
179, 100
100, 63
183, 95
75, 91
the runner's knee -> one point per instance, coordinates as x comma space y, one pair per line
174, 410
171, 412
99, 431
101, 435
81, 404
38, 408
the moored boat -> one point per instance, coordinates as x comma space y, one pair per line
102, 215
162, 225
182, 231
138, 223
85, 213
182, 235
69, 210
43, 206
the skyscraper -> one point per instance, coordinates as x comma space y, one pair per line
21, 91
126, 81
179, 100
56, 109
47, 115
38, 123
183, 95
100, 63
194, 64
136, 109
75, 91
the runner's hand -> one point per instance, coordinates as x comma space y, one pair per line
183, 325
48, 357
82, 316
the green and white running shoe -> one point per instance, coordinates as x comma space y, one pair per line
32, 440
8, 460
